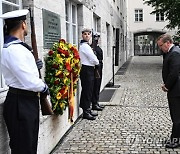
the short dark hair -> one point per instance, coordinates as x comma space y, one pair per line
165, 38
11, 25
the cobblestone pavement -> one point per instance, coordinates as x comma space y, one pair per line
135, 121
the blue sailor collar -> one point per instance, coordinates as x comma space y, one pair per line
83, 41
8, 40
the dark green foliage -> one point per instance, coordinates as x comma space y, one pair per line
170, 8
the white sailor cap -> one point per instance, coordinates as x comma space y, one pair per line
97, 34
86, 30
15, 15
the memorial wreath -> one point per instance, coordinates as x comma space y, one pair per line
61, 76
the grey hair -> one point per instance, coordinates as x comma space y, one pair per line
165, 38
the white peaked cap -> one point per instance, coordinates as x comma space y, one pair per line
86, 30
14, 14
97, 34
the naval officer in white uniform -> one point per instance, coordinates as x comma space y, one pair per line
89, 61
21, 106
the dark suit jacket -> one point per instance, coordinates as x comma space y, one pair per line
171, 72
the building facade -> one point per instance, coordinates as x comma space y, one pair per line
144, 28
65, 19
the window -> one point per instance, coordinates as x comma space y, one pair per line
108, 39
96, 23
6, 6
71, 22
159, 16
139, 15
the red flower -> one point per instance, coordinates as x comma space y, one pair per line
65, 95
66, 53
60, 50
55, 66
62, 40
56, 82
62, 90
61, 75
51, 52
68, 67
72, 48
76, 54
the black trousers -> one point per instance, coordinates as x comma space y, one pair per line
174, 107
21, 115
87, 82
97, 86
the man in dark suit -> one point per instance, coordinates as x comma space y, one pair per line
171, 79
97, 81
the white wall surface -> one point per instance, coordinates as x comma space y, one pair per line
149, 20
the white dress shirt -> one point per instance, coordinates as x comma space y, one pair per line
19, 68
87, 56
170, 47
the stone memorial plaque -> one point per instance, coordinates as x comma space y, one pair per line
51, 28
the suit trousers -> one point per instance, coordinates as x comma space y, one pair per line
174, 107
87, 82
21, 115
97, 86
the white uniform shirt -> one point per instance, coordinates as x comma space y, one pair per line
87, 56
19, 68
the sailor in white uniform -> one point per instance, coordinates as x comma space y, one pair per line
21, 106
89, 61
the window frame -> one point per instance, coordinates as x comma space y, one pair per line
71, 34
159, 17
138, 15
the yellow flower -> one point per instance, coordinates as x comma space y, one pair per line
65, 80
60, 59
58, 96
69, 45
68, 60
61, 45
59, 72
71, 56
76, 61
66, 73
62, 105
72, 65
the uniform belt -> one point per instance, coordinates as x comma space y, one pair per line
22, 92
87, 66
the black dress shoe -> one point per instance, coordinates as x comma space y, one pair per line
172, 145
102, 106
88, 116
97, 108
93, 113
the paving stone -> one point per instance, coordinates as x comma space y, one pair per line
137, 119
